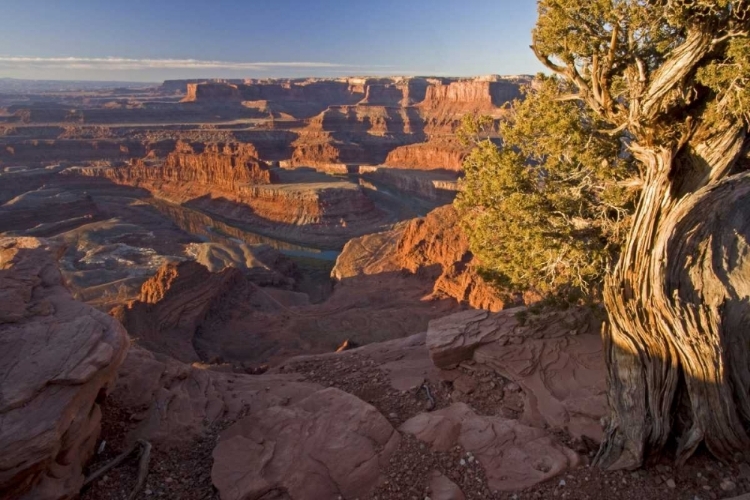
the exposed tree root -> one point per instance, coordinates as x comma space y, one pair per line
145, 457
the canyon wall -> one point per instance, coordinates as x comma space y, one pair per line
221, 165
308, 122
172, 306
432, 247
228, 181
428, 156
472, 93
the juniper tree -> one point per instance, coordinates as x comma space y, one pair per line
670, 79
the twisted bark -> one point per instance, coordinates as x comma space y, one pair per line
674, 302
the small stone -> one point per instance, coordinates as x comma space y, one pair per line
562, 482
727, 485
148, 492
168, 480
671, 483
462, 462
393, 415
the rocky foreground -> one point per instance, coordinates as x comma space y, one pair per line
481, 405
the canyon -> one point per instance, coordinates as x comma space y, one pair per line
261, 286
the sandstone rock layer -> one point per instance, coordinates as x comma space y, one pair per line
555, 358
57, 359
513, 455
327, 445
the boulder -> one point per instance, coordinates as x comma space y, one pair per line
514, 456
179, 403
328, 445
58, 357
454, 338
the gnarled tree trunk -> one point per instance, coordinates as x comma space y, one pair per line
677, 342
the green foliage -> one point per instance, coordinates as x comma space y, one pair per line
729, 79
548, 210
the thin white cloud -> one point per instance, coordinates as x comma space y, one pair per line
121, 63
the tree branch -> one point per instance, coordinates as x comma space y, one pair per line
674, 70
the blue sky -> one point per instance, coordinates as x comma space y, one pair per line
139, 40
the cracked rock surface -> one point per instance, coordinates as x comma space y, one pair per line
57, 356
329, 444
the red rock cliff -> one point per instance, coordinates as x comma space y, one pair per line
433, 247
428, 156
223, 165
172, 306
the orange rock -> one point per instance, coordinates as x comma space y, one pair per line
432, 247
172, 306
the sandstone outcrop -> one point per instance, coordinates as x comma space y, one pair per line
173, 304
173, 403
329, 444
433, 247
438, 186
556, 358
513, 455
212, 91
221, 165
198, 168
442, 488
473, 93
57, 359
432, 155
225, 180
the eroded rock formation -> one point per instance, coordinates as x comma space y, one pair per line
172, 306
58, 358
529, 455
226, 180
434, 248
432, 155
556, 358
